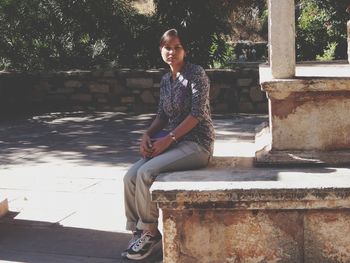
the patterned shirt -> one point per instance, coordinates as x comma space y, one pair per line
188, 94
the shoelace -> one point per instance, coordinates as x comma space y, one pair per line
133, 240
143, 239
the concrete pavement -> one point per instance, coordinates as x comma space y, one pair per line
62, 175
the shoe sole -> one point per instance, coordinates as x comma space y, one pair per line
124, 254
156, 247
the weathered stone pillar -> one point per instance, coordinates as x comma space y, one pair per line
348, 26
282, 38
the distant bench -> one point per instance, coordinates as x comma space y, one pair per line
255, 215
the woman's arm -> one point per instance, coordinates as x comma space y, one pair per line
146, 144
181, 130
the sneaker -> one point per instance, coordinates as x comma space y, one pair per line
144, 246
135, 236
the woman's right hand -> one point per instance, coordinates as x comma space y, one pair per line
146, 146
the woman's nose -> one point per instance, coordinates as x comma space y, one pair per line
172, 51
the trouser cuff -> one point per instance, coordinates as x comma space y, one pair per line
131, 226
147, 226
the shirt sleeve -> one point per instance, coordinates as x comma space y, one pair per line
200, 86
160, 112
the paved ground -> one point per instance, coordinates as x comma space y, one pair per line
62, 174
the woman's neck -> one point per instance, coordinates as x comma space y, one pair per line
175, 69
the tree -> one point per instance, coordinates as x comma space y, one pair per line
321, 29
204, 24
64, 34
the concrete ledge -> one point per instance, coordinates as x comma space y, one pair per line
283, 158
3, 206
258, 188
337, 69
233, 154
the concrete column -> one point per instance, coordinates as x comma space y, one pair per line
282, 38
348, 26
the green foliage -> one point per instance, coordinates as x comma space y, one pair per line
85, 34
221, 53
61, 34
203, 24
328, 53
321, 23
67, 34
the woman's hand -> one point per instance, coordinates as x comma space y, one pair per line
146, 146
160, 145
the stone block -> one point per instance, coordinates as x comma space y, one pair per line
215, 90
310, 115
73, 84
97, 73
127, 99
64, 90
82, 97
99, 88
43, 85
109, 74
245, 106
136, 92
220, 107
232, 236
244, 82
139, 82
117, 89
102, 100
327, 236
256, 94
56, 98
262, 107
120, 108
147, 97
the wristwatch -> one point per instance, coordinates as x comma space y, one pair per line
173, 137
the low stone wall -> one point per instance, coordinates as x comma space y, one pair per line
255, 215
234, 90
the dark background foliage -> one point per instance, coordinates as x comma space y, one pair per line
86, 34
321, 25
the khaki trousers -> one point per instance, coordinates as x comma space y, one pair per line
140, 211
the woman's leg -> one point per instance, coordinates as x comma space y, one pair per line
184, 156
129, 195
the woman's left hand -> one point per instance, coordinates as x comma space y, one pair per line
160, 145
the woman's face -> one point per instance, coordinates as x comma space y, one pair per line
173, 52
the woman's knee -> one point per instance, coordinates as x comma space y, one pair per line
129, 178
146, 175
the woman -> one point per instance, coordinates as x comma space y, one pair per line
185, 113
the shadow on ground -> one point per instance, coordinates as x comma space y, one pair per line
42, 242
108, 138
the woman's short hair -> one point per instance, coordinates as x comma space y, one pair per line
172, 33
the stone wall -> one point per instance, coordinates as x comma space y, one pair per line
234, 90
245, 215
